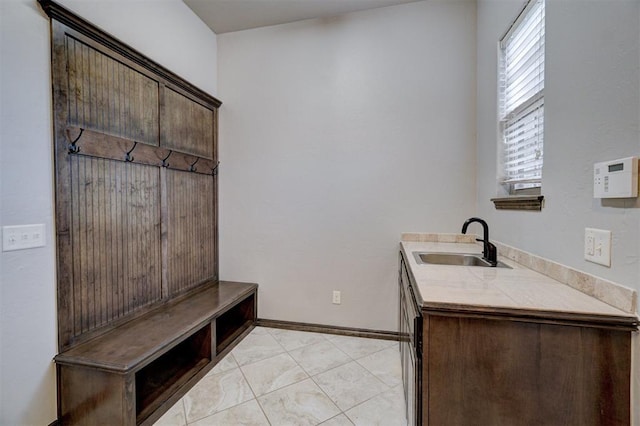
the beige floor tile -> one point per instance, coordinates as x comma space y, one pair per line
225, 364
339, 420
174, 417
246, 414
292, 339
216, 393
256, 347
349, 385
341, 393
260, 331
357, 347
319, 357
385, 365
385, 409
273, 373
300, 404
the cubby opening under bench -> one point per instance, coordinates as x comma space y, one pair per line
133, 373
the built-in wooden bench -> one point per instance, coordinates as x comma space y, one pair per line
136, 371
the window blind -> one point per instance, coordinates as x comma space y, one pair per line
521, 97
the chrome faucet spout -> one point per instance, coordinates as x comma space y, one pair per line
490, 253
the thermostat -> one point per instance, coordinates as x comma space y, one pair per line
616, 179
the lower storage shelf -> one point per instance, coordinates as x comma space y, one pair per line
234, 322
162, 377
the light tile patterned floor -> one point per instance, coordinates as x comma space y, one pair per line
281, 377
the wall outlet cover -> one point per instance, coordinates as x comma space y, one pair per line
597, 246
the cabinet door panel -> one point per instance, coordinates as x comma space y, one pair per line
189, 126
498, 372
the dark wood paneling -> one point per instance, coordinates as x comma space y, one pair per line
190, 230
109, 96
137, 240
95, 144
116, 240
188, 125
116, 258
503, 372
64, 16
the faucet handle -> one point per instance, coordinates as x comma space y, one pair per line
492, 253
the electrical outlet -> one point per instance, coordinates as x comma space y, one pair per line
597, 246
23, 237
336, 297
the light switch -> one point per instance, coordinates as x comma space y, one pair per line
23, 237
597, 246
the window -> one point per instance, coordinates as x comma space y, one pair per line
521, 101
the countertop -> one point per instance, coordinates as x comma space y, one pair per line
518, 291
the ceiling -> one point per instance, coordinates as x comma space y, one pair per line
224, 16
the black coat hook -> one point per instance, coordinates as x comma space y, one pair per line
73, 148
214, 171
164, 160
192, 168
129, 158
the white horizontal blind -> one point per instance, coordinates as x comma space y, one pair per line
521, 97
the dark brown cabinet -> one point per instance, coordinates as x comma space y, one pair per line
515, 368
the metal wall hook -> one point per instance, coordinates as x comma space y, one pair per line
73, 148
214, 171
192, 168
129, 158
164, 160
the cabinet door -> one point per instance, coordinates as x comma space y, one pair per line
410, 344
485, 371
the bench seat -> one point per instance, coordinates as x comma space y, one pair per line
134, 372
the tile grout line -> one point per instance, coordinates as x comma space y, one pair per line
311, 377
254, 393
326, 338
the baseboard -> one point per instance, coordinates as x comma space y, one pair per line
329, 329
56, 422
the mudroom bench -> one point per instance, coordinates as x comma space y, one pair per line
135, 372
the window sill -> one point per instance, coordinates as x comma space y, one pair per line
519, 202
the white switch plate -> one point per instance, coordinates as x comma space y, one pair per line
23, 237
336, 297
597, 246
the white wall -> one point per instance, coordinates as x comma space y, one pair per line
169, 33
592, 113
166, 31
27, 283
336, 136
592, 105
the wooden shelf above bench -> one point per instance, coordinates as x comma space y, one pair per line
133, 373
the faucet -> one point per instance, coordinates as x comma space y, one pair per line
490, 253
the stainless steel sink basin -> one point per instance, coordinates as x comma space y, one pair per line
459, 259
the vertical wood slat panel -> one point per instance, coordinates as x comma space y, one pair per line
188, 125
190, 230
116, 205
101, 86
115, 260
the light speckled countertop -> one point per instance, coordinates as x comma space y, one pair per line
518, 290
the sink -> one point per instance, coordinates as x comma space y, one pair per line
459, 259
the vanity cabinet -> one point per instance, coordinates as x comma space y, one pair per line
490, 366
